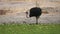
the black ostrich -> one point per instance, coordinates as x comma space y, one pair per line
35, 12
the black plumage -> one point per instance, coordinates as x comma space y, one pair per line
35, 11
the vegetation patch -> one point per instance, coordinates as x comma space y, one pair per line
29, 29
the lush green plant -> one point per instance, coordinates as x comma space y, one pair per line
29, 29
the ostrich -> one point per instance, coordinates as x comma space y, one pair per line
34, 12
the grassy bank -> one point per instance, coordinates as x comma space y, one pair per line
29, 29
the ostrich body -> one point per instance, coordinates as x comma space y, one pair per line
35, 12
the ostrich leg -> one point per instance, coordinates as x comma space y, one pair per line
37, 19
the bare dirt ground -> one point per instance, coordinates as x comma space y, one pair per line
21, 18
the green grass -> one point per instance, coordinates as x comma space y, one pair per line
30, 29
